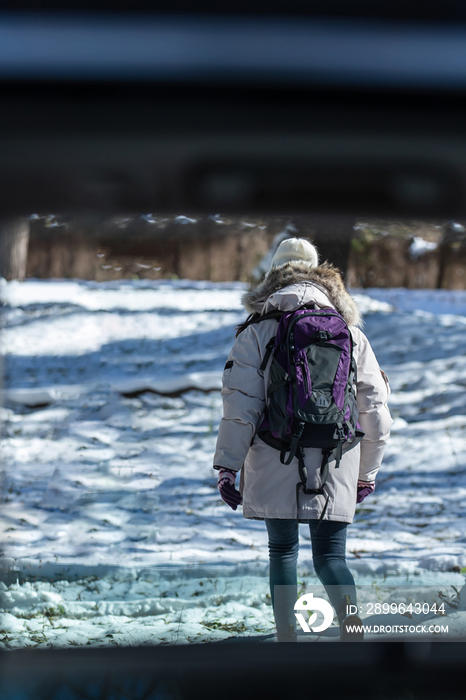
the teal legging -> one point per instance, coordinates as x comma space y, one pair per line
329, 556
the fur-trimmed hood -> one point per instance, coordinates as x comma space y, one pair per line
320, 284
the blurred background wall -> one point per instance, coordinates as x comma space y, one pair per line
217, 247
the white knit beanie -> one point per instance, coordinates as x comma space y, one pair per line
295, 249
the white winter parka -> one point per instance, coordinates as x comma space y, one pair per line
268, 487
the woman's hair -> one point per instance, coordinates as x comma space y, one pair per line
252, 318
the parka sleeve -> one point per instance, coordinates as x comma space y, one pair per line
374, 415
243, 393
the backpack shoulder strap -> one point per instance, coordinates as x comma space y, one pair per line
257, 318
268, 352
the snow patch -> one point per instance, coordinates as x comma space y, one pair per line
110, 518
420, 246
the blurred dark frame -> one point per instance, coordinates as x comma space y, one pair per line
186, 125
418, 671
400, 10
135, 147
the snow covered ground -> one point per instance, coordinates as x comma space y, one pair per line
112, 528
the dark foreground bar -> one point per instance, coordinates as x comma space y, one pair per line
249, 670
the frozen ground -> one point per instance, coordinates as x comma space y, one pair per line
112, 529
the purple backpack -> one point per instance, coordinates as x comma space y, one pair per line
311, 398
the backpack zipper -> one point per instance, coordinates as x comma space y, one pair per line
306, 384
291, 357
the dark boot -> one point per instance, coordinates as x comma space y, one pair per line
351, 629
350, 625
289, 635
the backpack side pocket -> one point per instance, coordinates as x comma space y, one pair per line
279, 409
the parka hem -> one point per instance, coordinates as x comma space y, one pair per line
287, 516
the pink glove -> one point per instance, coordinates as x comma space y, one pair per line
226, 486
364, 489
